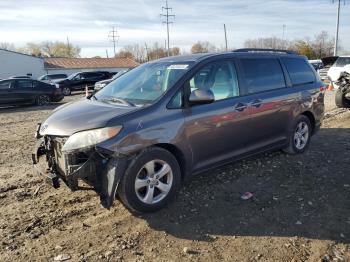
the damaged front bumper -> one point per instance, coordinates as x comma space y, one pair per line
99, 168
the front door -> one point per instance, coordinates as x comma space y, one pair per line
7, 95
217, 131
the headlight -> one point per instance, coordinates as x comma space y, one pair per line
90, 137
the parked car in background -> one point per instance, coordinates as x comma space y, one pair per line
16, 91
327, 63
147, 131
24, 76
49, 78
337, 68
317, 64
101, 84
78, 81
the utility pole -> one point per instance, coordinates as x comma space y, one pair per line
167, 22
225, 36
114, 37
106, 53
146, 52
337, 27
68, 48
283, 33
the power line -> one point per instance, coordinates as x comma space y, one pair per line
167, 22
115, 37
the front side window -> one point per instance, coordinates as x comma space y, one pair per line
299, 71
24, 84
144, 84
5, 84
219, 77
262, 74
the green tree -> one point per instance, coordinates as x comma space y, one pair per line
302, 47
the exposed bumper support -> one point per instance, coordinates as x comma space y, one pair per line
102, 172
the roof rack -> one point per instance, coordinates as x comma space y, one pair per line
266, 50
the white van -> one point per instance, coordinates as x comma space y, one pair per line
341, 64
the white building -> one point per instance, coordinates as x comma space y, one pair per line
14, 63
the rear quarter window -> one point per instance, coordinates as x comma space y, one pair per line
262, 74
299, 71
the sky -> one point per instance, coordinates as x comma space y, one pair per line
87, 22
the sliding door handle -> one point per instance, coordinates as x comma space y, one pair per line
240, 107
256, 103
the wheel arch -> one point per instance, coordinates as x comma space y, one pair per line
312, 119
178, 154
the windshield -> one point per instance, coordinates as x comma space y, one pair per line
342, 61
144, 84
72, 76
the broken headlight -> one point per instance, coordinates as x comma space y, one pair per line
90, 137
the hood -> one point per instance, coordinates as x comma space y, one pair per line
104, 81
81, 115
62, 81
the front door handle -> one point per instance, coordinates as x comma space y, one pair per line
256, 103
240, 107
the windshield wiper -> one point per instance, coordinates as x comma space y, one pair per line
120, 101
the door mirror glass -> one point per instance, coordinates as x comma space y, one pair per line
201, 96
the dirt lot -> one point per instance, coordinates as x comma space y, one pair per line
300, 210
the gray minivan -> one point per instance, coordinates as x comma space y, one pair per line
150, 129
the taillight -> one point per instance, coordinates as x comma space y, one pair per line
323, 88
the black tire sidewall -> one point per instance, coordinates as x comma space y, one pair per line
126, 188
292, 146
41, 96
69, 91
340, 99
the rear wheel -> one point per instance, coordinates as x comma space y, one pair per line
43, 100
66, 91
151, 181
300, 136
341, 100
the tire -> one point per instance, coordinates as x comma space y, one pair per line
340, 100
66, 91
299, 138
140, 197
42, 100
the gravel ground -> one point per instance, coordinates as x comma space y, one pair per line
299, 212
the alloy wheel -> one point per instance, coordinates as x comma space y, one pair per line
154, 181
301, 135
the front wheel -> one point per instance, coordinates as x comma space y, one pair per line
300, 136
66, 91
43, 100
151, 181
341, 100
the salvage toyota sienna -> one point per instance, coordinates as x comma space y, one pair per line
145, 132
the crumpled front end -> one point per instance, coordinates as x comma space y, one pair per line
99, 168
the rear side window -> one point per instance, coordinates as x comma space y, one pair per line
58, 76
299, 71
262, 74
24, 84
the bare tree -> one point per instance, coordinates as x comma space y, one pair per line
267, 42
202, 47
7, 46
323, 44
51, 49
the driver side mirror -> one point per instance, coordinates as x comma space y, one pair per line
200, 96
